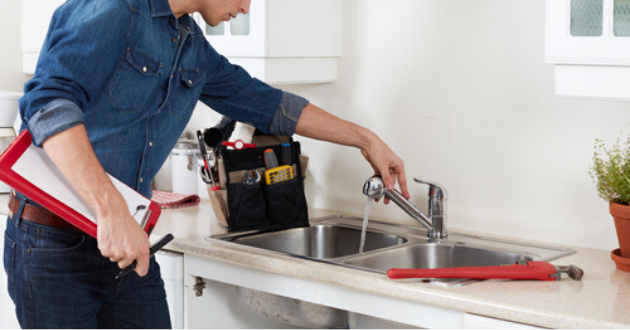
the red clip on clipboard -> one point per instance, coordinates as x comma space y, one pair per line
29, 170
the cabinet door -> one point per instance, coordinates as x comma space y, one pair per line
588, 32
243, 36
283, 41
218, 308
8, 320
589, 43
172, 271
280, 29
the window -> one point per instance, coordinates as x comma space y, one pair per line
587, 18
621, 18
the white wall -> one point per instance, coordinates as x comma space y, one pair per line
11, 76
461, 92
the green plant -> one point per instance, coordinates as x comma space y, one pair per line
611, 171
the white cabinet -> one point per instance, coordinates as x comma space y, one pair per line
212, 304
172, 270
283, 41
589, 43
8, 320
279, 41
36, 16
218, 306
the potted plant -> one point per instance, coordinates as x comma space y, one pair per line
611, 172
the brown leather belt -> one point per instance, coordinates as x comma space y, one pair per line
40, 215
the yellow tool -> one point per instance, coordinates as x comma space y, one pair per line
279, 174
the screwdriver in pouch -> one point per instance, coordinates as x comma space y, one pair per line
270, 159
285, 153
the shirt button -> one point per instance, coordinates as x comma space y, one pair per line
171, 76
173, 39
150, 144
141, 180
189, 82
144, 69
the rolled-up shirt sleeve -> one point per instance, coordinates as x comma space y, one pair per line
232, 92
74, 65
288, 113
56, 116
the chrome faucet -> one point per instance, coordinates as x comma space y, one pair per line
435, 222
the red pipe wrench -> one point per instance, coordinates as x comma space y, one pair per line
533, 270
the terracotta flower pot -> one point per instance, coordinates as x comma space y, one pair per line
621, 214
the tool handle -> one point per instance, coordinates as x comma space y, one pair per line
238, 145
153, 250
285, 153
271, 161
534, 270
202, 150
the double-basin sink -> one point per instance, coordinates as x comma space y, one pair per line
335, 240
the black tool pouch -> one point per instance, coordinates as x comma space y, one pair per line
246, 199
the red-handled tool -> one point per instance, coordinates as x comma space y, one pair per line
533, 270
238, 145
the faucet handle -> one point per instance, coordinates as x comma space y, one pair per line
442, 194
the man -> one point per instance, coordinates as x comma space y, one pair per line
115, 85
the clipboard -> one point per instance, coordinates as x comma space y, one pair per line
30, 171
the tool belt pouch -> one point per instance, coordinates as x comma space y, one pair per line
247, 199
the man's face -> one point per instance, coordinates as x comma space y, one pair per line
216, 11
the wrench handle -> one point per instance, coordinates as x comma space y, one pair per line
534, 270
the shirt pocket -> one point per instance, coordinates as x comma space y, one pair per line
187, 92
134, 80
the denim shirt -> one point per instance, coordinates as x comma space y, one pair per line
132, 73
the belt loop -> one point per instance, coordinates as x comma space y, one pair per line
18, 215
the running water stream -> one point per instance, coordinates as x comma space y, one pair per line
366, 215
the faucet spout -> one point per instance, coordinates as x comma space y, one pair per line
434, 222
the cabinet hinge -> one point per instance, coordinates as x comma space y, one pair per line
199, 286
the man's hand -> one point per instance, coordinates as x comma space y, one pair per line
388, 165
121, 239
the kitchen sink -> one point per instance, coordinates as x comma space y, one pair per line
320, 241
335, 240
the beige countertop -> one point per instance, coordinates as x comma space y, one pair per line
598, 301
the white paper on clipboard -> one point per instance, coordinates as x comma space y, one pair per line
35, 166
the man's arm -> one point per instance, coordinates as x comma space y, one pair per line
119, 236
319, 124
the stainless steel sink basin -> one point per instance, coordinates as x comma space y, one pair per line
335, 240
436, 255
320, 241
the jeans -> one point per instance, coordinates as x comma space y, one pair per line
59, 279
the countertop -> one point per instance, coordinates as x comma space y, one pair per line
598, 301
